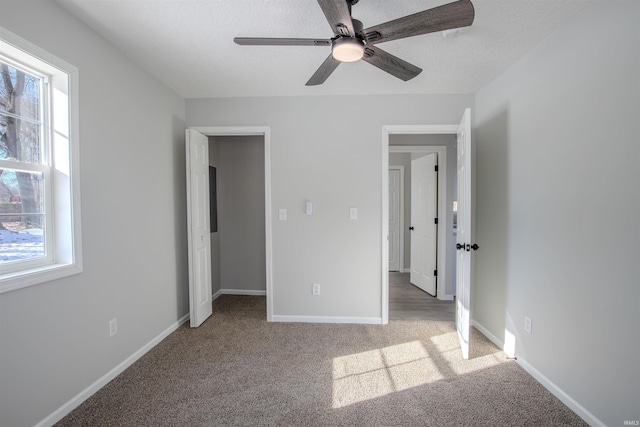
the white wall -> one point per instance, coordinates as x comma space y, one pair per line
54, 337
334, 160
241, 212
558, 209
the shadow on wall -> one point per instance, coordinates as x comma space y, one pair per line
180, 214
492, 224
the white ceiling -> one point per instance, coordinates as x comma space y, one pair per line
188, 44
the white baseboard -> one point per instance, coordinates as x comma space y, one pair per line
243, 292
560, 394
249, 292
546, 382
484, 331
65, 409
327, 319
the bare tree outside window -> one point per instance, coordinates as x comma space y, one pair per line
21, 191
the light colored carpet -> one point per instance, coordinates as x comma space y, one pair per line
239, 370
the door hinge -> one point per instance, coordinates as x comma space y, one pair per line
436, 168
435, 273
436, 220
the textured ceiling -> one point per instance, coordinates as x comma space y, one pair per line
188, 44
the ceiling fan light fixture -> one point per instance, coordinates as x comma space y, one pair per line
347, 49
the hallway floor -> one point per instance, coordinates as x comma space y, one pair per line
408, 302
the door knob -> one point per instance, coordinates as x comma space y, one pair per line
475, 247
410, 228
459, 246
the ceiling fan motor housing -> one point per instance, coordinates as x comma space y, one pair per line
347, 48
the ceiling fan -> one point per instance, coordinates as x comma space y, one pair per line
351, 42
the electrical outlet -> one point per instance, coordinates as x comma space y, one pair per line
316, 289
527, 324
113, 327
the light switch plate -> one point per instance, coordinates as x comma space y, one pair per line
308, 208
282, 214
353, 213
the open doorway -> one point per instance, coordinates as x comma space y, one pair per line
401, 145
465, 225
263, 274
238, 261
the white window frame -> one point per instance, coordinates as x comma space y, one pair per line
60, 166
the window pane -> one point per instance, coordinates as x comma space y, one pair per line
21, 215
19, 93
21, 192
19, 115
19, 140
20, 237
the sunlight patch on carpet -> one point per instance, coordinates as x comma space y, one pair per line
449, 349
371, 374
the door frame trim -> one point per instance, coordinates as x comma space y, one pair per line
265, 131
441, 263
401, 219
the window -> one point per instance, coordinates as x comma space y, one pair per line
39, 186
24, 170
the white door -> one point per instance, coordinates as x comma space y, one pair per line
424, 201
465, 236
198, 230
394, 220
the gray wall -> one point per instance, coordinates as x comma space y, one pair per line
313, 158
241, 212
558, 209
54, 339
450, 142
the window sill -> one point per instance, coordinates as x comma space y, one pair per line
21, 279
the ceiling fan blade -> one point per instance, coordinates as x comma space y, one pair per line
328, 66
338, 14
266, 41
453, 15
391, 64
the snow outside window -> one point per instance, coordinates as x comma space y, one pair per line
39, 187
